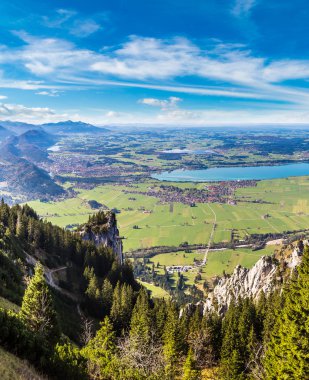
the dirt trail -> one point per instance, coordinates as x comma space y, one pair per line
50, 279
210, 237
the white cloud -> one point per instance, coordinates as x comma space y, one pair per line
149, 58
164, 104
38, 115
238, 117
43, 56
212, 117
52, 93
113, 114
174, 116
2, 97
229, 70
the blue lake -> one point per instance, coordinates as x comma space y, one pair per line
235, 173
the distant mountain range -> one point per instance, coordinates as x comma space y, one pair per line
24, 158
69, 126
64, 127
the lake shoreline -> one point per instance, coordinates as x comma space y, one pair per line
232, 173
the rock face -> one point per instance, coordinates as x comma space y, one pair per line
102, 229
295, 257
264, 276
243, 283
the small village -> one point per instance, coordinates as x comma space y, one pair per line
218, 192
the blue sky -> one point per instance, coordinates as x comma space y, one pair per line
198, 62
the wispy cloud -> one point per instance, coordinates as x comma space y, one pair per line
71, 21
243, 7
19, 112
52, 93
60, 17
84, 28
229, 70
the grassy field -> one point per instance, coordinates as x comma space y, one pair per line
11, 367
165, 224
227, 260
177, 258
156, 291
217, 261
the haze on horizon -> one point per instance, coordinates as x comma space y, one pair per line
163, 62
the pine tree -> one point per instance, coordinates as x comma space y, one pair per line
37, 310
232, 363
115, 313
107, 295
287, 355
93, 291
126, 305
21, 226
159, 313
273, 304
172, 344
141, 323
190, 371
100, 351
122, 306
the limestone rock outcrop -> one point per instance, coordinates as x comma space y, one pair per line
102, 229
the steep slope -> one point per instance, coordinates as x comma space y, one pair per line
11, 367
26, 178
64, 255
37, 137
22, 157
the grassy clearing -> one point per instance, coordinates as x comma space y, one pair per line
11, 367
177, 258
156, 291
227, 260
217, 262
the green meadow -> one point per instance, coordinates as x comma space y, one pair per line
287, 209
155, 291
217, 261
272, 206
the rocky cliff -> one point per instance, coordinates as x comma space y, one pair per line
102, 229
267, 274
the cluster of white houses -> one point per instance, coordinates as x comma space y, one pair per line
178, 268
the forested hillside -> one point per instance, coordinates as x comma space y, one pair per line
93, 321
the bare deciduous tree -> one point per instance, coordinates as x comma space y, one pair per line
87, 330
146, 358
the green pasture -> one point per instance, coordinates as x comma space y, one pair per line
171, 224
177, 258
227, 260
156, 291
217, 261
